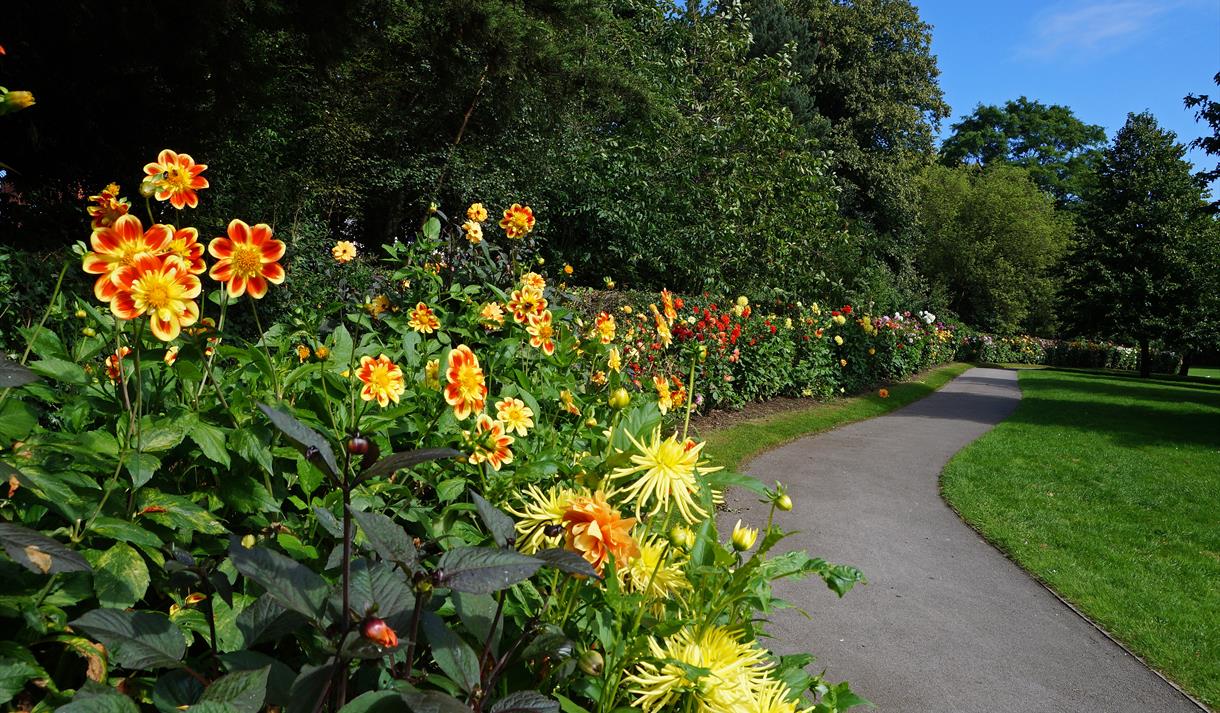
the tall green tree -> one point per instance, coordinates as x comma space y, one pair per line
1056, 147
868, 90
1133, 273
990, 242
1207, 110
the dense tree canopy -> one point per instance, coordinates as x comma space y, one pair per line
1056, 147
1133, 274
990, 241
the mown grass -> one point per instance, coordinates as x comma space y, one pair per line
732, 446
1209, 372
1107, 487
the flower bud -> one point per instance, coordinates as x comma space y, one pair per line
682, 536
81, 314
380, 633
15, 101
743, 538
592, 663
358, 445
619, 399
148, 186
89, 332
591, 422
248, 541
784, 502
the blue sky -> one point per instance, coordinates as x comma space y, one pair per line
1102, 58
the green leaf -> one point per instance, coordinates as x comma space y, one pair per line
525, 702
162, 434
316, 449
13, 374
452, 655
14, 674
245, 691
279, 682
245, 494
266, 620
96, 698
176, 688
723, 480
123, 531
141, 466
433, 702
432, 228
60, 370
176, 512
388, 539
569, 706
310, 687
211, 441
376, 587
120, 577
135, 639
501, 526
405, 459
478, 612
376, 702
567, 561
39, 553
17, 419
291, 584
483, 570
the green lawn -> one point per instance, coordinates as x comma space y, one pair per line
1108, 488
732, 446
1209, 372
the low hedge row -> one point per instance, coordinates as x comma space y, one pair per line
1080, 353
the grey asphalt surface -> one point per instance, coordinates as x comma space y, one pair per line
946, 624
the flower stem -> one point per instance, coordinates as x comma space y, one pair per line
275, 379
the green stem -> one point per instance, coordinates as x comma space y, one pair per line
275, 379
29, 345
220, 325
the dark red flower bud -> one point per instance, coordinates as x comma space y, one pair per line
358, 445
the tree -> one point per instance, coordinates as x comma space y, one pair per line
1133, 273
991, 239
876, 101
1057, 148
1207, 110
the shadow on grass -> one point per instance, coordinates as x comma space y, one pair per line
1165, 412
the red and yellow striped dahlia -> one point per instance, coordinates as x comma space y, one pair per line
158, 286
177, 178
465, 387
490, 443
118, 245
518, 221
247, 260
185, 246
383, 380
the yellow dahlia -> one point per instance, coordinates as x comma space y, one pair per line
657, 571
539, 511
515, 415
667, 475
476, 212
423, 319
382, 379
344, 251
735, 670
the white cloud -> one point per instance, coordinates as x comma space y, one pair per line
1091, 29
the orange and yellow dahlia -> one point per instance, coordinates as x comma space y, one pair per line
465, 387
542, 332
107, 207
518, 221
596, 531
177, 178
186, 247
423, 319
525, 302
160, 286
382, 379
489, 443
247, 260
605, 327
118, 245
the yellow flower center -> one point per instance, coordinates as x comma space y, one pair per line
470, 383
178, 177
247, 261
155, 292
380, 378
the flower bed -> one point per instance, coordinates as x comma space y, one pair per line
457, 495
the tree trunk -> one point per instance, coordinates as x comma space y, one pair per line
1145, 358
1184, 370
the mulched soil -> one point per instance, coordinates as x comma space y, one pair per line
718, 419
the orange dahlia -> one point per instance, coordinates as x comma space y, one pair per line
476, 212
533, 281
667, 303
113, 363
596, 531
177, 178
247, 260
161, 287
465, 387
382, 379
423, 319
185, 246
107, 207
118, 245
525, 302
605, 327
490, 443
542, 332
518, 221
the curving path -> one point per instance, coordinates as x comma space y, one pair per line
946, 623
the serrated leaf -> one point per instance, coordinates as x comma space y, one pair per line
13, 374
567, 561
478, 612
176, 688
60, 370
141, 467
525, 702
124, 531
483, 570
405, 459
502, 528
279, 682
14, 674
245, 691
376, 587
312, 444
96, 698
135, 639
388, 539
176, 512
39, 553
454, 656
266, 620
291, 583
722, 480
120, 577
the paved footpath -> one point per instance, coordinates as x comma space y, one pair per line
946, 623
